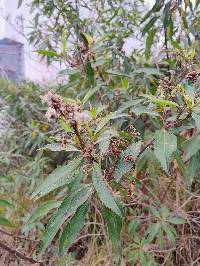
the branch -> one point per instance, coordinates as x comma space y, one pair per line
14, 252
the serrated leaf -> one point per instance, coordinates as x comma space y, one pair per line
196, 117
133, 149
105, 139
43, 210
72, 228
58, 147
192, 146
103, 191
122, 168
5, 222
5, 203
114, 225
61, 176
176, 220
165, 145
69, 206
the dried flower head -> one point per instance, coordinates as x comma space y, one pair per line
57, 108
192, 76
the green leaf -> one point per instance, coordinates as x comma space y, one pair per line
89, 94
103, 191
107, 118
69, 71
58, 147
61, 176
189, 90
160, 239
129, 104
157, 6
90, 72
169, 233
165, 145
147, 71
43, 210
114, 225
149, 42
133, 149
5, 203
164, 211
192, 146
69, 206
152, 231
48, 53
122, 168
73, 228
196, 117
64, 42
166, 15
176, 220
161, 102
5, 222
149, 25
118, 73
105, 139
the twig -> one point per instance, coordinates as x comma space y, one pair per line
19, 237
168, 187
14, 252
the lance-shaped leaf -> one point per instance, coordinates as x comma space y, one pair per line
192, 146
5, 222
59, 177
107, 118
165, 145
43, 210
69, 206
114, 225
5, 203
161, 102
103, 191
73, 228
58, 147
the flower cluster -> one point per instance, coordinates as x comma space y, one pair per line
58, 108
192, 76
114, 148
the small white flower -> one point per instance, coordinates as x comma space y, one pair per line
81, 116
51, 113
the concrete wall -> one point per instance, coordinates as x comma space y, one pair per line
14, 24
